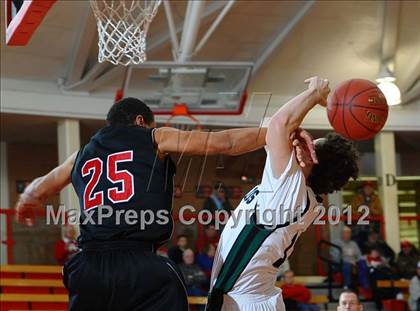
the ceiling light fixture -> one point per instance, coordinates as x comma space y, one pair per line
386, 83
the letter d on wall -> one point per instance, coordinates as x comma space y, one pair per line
390, 180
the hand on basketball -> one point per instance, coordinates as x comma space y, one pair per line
303, 143
321, 85
25, 209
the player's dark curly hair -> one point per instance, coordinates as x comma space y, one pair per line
125, 111
337, 162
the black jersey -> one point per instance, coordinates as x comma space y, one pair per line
124, 188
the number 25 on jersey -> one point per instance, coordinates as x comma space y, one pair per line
94, 167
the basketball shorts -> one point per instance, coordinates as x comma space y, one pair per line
125, 276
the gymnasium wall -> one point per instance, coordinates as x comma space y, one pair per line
27, 161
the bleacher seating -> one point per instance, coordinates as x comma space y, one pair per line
402, 284
31, 271
31, 287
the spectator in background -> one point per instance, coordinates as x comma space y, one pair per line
384, 249
414, 299
407, 260
211, 236
351, 254
67, 246
296, 296
375, 260
175, 253
349, 301
374, 267
218, 201
368, 198
205, 259
195, 279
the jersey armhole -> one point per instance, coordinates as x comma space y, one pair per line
153, 137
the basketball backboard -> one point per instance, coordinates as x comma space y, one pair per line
23, 18
204, 87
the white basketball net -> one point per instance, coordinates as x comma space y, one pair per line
122, 29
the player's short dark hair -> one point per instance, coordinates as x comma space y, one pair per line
337, 162
125, 111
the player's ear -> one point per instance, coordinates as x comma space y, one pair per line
139, 121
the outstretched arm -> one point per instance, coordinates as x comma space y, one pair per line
39, 190
288, 118
228, 142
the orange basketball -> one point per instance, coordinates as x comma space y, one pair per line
357, 109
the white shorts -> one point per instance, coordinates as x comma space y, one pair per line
253, 303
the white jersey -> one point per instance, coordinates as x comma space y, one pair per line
276, 201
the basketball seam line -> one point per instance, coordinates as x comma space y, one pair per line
344, 100
372, 108
354, 117
361, 106
336, 109
361, 92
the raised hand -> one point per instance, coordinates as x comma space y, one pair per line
303, 143
26, 209
321, 85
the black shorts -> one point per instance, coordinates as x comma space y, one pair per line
123, 275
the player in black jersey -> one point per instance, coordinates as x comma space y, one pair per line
125, 168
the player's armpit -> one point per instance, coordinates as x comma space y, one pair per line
228, 142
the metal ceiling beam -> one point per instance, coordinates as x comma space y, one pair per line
208, 12
80, 55
153, 64
273, 44
390, 30
190, 30
172, 28
413, 95
213, 27
408, 77
153, 45
89, 77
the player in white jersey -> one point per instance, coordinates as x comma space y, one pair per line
261, 233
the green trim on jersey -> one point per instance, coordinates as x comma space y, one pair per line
246, 245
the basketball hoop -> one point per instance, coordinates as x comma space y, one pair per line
122, 29
181, 119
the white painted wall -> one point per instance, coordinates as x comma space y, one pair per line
336, 198
386, 172
68, 137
